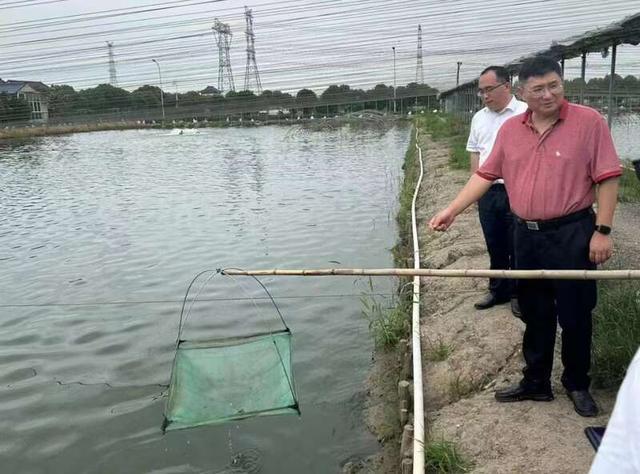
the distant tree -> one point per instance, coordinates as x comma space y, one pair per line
14, 109
380, 92
306, 96
210, 90
191, 98
630, 83
104, 98
306, 100
336, 93
63, 101
146, 97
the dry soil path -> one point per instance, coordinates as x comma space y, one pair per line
485, 349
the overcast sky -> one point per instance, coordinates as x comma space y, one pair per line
304, 43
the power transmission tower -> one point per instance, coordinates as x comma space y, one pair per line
419, 69
252, 66
223, 35
113, 80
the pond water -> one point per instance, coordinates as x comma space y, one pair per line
101, 233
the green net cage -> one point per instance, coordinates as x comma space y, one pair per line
217, 380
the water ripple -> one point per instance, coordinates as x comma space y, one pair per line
133, 216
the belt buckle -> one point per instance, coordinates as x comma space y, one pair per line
532, 225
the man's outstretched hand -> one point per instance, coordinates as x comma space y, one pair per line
442, 220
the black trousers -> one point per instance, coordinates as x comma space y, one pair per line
497, 226
545, 303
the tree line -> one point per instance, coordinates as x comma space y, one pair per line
65, 101
600, 85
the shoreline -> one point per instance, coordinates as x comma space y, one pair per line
390, 365
45, 130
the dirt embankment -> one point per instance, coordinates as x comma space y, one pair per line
467, 354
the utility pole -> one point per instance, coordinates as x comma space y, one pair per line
113, 80
175, 84
252, 66
222, 32
161, 93
394, 78
458, 74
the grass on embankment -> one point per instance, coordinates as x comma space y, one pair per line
616, 331
43, 131
453, 131
629, 187
389, 324
442, 456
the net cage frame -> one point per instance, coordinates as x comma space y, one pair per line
281, 340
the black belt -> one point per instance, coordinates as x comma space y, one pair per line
557, 222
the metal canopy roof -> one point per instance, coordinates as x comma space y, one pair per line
626, 31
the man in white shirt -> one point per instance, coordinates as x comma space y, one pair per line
494, 87
619, 451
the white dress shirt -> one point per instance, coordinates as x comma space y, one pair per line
485, 125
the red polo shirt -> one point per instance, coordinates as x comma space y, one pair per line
553, 174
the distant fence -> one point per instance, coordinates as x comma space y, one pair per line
464, 103
248, 108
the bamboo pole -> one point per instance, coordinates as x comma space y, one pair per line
450, 273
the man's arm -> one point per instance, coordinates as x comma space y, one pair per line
474, 161
472, 191
601, 246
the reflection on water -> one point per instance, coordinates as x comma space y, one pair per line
122, 217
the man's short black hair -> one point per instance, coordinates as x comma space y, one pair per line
538, 66
501, 73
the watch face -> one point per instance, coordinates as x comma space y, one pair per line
603, 229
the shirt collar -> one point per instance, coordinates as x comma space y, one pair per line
510, 106
564, 112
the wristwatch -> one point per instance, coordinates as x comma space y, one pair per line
603, 229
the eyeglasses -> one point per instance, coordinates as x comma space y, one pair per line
538, 92
488, 90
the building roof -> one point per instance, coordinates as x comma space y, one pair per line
13, 87
626, 31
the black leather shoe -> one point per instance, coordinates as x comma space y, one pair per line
518, 393
515, 308
583, 403
489, 301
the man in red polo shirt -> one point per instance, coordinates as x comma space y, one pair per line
551, 159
